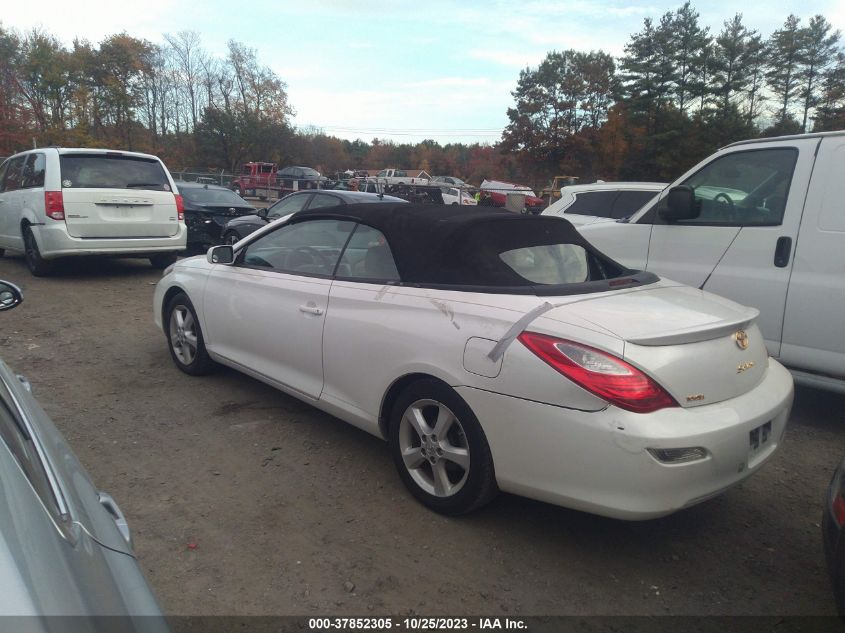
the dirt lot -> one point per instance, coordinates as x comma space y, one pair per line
295, 512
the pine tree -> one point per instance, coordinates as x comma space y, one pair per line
690, 55
817, 53
784, 48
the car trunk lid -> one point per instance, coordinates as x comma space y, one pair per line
701, 348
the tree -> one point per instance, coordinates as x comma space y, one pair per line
731, 62
784, 51
830, 114
690, 53
567, 91
816, 53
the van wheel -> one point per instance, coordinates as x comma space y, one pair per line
37, 265
184, 337
440, 450
163, 260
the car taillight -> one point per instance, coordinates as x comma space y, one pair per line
839, 510
606, 376
54, 205
180, 206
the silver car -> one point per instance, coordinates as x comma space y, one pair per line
65, 548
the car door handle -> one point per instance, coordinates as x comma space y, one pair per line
311, 308
119, 520
782, 251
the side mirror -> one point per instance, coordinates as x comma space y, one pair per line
261, 213
224, 254
680, 204
10, 296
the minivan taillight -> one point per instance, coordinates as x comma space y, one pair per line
180, 207
54, 205
608, 377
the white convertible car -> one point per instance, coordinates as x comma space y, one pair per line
494, 351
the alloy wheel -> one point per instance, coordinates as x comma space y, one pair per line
434, 448
183, 334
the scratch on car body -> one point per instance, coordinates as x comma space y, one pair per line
446, 310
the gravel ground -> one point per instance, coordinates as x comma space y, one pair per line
294, 512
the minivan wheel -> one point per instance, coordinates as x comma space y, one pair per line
37, 265
184, 337
162, 260
440, 450
231, 238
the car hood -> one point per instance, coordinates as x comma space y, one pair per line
80, 494
249, 218
221, 209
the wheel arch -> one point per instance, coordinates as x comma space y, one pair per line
393, 392
168, 295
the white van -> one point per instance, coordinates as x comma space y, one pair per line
761, 222
59, 202
603, 201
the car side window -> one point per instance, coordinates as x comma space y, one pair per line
367, 256
743, 188
310, 248
16, 437
629, 202
289, 204
33, 171
321, 200
598, 203
14, 173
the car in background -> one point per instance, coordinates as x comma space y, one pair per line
66, 547
61, 202
299, 173
439, 327
603, 202
498, 193
455, 195
833, 533
240, 227
207, 210
447, 180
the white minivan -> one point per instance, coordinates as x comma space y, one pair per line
59, 202
761, 222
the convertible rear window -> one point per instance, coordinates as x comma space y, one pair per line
112, 171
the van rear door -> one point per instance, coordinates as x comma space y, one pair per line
117, 195
741, 244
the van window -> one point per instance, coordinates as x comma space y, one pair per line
598, 203
743, 188
629, 202
33, 171
14, 173
107, 171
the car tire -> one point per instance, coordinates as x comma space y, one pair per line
451, 474
162, 260
38, 266
184, 337
231, 238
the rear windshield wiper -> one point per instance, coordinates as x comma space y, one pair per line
144, 184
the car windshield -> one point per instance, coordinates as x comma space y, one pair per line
107, 171
203, 195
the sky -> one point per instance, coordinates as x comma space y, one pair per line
398, 70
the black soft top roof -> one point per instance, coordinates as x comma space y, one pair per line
451, 245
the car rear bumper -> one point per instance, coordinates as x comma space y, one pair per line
598, 461
54, 241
